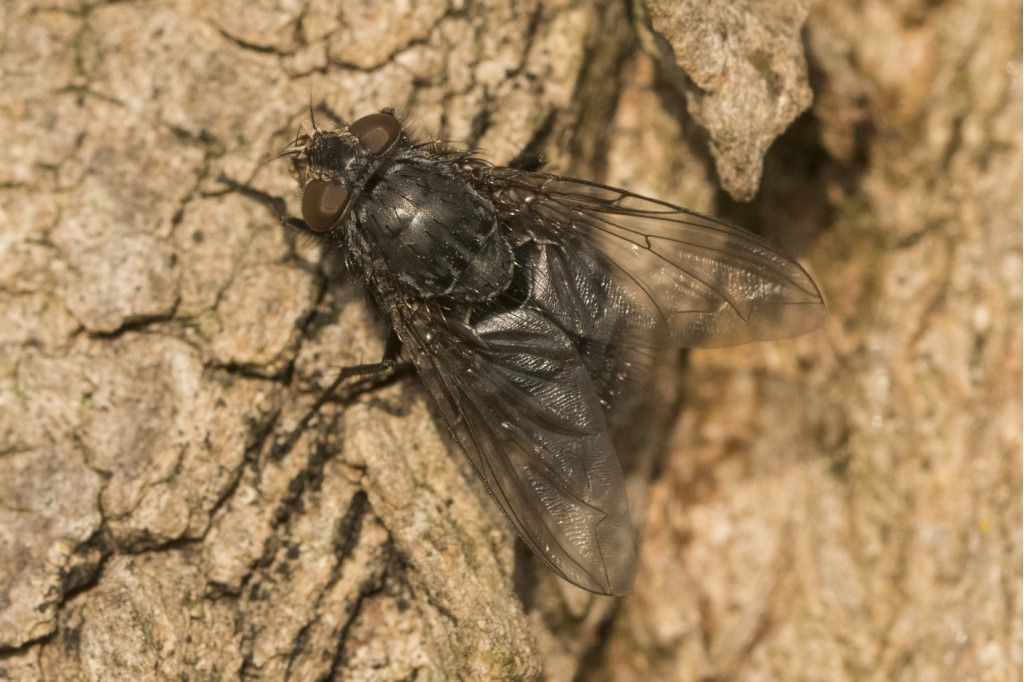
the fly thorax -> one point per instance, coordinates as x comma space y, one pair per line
438, 236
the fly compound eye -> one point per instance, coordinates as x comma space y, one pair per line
322, 204
376, 132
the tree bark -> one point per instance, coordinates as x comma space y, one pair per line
844, 506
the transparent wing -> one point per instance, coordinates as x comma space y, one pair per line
513, 391
689, 278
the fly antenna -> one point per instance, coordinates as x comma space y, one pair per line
297, 144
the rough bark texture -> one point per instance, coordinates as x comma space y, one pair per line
842, 506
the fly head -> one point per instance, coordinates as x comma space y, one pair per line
332, 166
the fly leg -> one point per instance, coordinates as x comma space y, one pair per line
274, 204
373, 375
277, 207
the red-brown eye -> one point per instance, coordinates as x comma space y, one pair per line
376, 132
322, 204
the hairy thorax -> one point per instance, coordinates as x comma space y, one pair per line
433, 231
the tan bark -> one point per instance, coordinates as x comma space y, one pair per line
842, 506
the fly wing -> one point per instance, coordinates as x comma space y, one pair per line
692, 280
513, 391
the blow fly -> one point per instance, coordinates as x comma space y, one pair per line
525, 301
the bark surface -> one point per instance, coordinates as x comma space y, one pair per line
842, 506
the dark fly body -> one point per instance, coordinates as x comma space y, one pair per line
524, 300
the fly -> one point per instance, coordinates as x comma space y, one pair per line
525, 300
